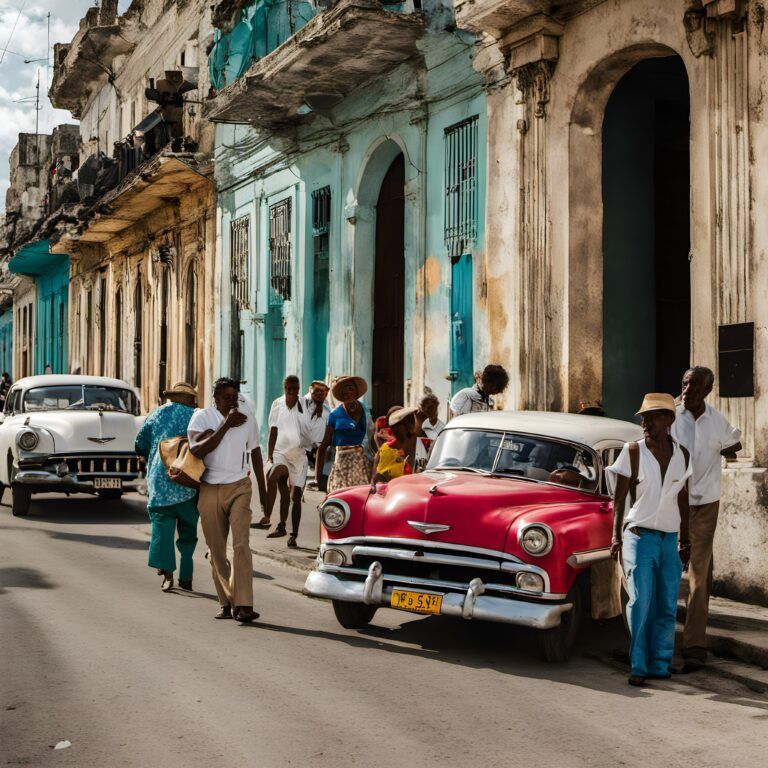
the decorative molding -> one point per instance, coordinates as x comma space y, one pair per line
533, 82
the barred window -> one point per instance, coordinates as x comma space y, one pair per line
280, 251
239, 261
460, 215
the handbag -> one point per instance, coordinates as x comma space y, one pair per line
182, 465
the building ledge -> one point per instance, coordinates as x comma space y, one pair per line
327, 59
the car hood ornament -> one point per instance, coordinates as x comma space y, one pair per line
429, 527
101, 439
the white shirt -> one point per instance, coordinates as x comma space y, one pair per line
470, 400
229, 462
315, 424
291, 427
655, 504
704, 438
432, 430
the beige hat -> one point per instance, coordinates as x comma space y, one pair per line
401, 415
658, 401
181, 388
339, 384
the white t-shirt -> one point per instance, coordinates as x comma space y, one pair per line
291, 427
655, 504
471, 400
229, 462
704, 438
315, 424
432, 430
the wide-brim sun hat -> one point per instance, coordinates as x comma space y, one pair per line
401, 415
181, 388
658, 401
339, 384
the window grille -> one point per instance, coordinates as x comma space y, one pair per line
239, 261
460, 215
321, 211
280, 251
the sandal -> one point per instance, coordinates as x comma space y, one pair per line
278, 532
167, 584
225, 612
245, 614
292, 541
263, 523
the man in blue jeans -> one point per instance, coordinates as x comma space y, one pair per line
654, 473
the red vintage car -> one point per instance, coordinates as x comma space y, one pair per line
503, 525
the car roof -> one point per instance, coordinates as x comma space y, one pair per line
59, 379
587, 430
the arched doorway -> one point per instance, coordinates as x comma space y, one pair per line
387, 369
646, 234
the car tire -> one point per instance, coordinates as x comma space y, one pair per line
21, 498
353, 615
110, 494
555, 645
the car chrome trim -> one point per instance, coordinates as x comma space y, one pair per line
546, 529
428, 527
418, 556
483, 607
474, 590
346, 570
580, 559
374, 584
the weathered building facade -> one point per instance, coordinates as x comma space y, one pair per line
627, 145
141, 233
350, 167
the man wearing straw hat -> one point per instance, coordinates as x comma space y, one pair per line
172, 507
654, 472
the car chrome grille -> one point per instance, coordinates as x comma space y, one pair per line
92, 465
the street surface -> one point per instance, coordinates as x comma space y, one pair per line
94, 653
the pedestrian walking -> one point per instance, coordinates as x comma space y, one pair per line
708, 436
654, 473
347, 430
404, 454
493, 380
287, 455
318, 411
5, 385
224, 437
431, 425
172, 508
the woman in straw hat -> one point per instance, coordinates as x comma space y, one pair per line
654, 473
172, 507
347, 430
404, 453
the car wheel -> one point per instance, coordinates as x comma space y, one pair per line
353, 615
21, 499
110, 494
555, 645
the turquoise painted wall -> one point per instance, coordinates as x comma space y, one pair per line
52, 315
6, 341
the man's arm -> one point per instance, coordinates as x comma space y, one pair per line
619, 504
257, 462
730, 452
144, 439
685, 513
320, 460
271, 442
203, 443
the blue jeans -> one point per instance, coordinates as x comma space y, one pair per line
652, 568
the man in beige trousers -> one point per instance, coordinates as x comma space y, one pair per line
708, 436
223, 436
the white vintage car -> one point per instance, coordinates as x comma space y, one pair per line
69, 434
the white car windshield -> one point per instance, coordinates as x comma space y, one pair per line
78, 397
512, 455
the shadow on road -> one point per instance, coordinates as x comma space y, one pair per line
86, 509
115, 542
26, 578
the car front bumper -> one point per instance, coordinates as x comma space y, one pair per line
42, 481
472, 604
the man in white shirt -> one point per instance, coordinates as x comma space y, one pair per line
708, 436
318, 411
432, 425
287, 453
224, 437
492, 381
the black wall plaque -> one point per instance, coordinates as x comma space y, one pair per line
736, 359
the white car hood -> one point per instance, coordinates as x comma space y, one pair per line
88, 431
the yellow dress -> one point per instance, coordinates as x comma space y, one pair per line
392, 463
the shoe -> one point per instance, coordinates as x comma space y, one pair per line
185, 584
636, 680
245, 614
225, 612
263, 523
167, 584
278, 532
292, 541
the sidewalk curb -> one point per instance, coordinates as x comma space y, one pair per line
303, 563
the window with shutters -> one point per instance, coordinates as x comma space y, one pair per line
239, 233
280, 251
460, 214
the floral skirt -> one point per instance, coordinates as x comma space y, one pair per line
351, 467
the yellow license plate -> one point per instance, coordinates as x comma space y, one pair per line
417, 602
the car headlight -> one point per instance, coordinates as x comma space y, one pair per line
536, 539
334, 514
28, 440
530, 582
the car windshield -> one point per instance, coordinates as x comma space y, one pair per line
509, 454
78, 397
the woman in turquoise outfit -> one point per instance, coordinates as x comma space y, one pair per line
171, 507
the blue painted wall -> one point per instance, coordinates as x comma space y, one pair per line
52, 314
6, 341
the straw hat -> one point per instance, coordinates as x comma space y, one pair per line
342, 381
181, 388
401, 415
658, 401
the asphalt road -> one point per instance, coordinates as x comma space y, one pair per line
94, 653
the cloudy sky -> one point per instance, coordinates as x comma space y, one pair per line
24, 33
